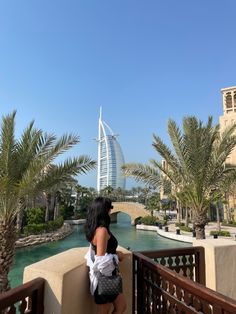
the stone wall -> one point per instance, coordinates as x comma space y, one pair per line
36, 239
67, 282
220, 265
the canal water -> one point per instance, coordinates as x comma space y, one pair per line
126, 234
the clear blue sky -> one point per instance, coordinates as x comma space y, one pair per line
143, 61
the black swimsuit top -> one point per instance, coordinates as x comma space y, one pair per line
112, 244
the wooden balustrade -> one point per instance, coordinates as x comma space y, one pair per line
189, 261
27, 298
160, 290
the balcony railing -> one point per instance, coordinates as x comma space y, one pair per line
27, 298
160, 290
189, 261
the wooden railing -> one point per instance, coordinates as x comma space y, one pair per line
189, 261
27, 298
160, 290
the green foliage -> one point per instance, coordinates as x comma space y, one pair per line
222, 233
84, 202
54, 224
153, 201
230, 224
66, 211
196, 164
182, 227
80, 214
44, 227
149, 220
34, 229
166, 217
185, 228
23, 163
179, 224
35, 216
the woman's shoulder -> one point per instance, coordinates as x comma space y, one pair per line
101, 231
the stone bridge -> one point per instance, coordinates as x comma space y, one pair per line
134, 210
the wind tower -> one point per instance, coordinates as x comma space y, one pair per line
229, 114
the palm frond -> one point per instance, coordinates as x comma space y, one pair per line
7, 144
143, 173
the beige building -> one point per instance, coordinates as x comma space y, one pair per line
229, 114
163, 194
229, 117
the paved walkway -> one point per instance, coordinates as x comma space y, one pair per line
187, 236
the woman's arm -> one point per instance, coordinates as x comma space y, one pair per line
100, 240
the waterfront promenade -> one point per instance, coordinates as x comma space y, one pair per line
187, 236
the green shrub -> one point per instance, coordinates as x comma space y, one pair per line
54, 224
185, 228
66, 211
149, 220
230, 224
42, 228
179, 224
34, 229
80, 214
35, 216
222, 233
165, 217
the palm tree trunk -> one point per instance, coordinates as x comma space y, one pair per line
186, 216
178, 211
56, 207
200, 220
7, 248
218, 216
48, 201
20, 215
19, 220
191, 215
226, 213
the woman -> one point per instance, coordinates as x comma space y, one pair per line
102, 245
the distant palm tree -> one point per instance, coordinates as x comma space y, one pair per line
196, 165
22, 173
107, 190
227, 190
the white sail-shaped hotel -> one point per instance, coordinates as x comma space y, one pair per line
110, 158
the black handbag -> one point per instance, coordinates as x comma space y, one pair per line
109, 285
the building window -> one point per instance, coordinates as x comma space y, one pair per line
228, 100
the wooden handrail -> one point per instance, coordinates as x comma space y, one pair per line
33, 289
197, 251
189, 285
172, 252
166, 280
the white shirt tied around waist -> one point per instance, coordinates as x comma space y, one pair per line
103, 264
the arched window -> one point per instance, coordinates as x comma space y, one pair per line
228, 101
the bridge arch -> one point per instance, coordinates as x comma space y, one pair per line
134, 210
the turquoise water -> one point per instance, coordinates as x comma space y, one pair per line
126, 234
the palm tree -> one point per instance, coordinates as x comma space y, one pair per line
22, 173
196, 164
107, 191
227, 190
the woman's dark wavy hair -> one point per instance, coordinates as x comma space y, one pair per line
97, 216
